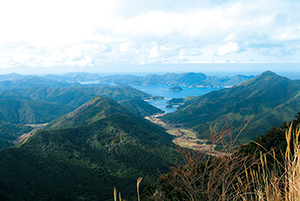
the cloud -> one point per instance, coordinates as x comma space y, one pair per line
153, 52
230, 47
45, 33
124, 47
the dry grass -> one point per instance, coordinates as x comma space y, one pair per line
232, 175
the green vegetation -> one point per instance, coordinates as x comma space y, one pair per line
175, 88
96, 147
34, 81
267, 100
28, 111
74, 96
157, 97
9, 132
186, 79
140, 107
44, 104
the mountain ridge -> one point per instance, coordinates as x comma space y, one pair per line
266, 99
87, 160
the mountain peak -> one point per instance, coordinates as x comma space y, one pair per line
90, 112
268, 73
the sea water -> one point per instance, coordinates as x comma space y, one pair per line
162, 90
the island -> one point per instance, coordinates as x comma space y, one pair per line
158, 98
175, 88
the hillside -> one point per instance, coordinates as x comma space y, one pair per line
9, 132
113, 148
267, 100
28, 111
274, 139
33, 81
140, 107
95, 109
74, 96
44, 104
187, 79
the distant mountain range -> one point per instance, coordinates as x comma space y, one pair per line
267, 100
72, 79
85, 154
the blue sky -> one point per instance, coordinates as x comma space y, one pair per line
134, 35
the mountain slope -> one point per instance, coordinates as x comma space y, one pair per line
74, 96
140, 107
9, 132
86, 162
34, 81
28, 111
267, 100
187, 79
93, 110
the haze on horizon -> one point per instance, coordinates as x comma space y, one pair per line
149, 36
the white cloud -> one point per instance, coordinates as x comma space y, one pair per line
154, 52
45, 33
230, 47
124, 47
21, 57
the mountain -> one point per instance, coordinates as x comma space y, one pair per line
74, 96
98, 146
28, 111
274, 139
186, 79
75, 77
267, 100
11, 76
140, 107
44, 104
34, 81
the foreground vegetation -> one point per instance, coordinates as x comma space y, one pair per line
240, 173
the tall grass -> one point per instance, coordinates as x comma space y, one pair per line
231, 175
138, 182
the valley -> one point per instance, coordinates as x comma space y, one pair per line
24, 136
183, 137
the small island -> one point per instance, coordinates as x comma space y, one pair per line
175, 88
158, 98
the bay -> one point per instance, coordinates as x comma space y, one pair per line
162, 90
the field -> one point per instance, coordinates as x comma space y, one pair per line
183, 137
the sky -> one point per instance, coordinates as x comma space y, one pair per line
57, 36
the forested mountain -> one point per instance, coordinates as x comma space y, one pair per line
186, 79
28, 111
95, 109
267, 100
11, 76
274, 139
140, 107
105, 145
74, 96
10, 131
34, 81
44, 104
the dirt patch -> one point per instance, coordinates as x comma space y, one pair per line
26, 135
